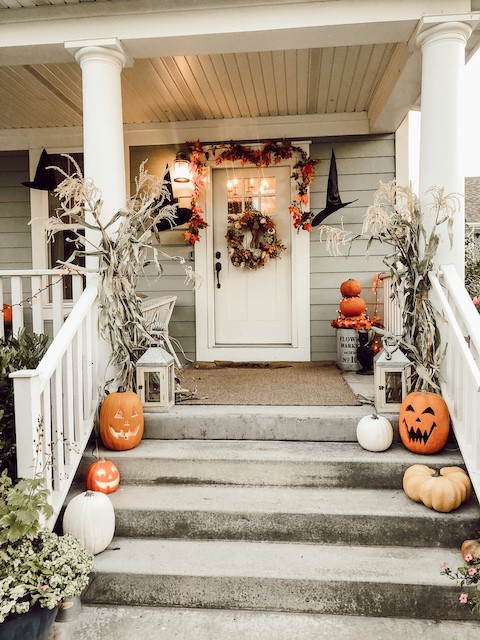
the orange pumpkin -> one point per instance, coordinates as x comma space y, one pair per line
424, 422
102, 476
350, 288
353, 306
121, 420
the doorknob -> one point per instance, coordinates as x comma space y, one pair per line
218, 268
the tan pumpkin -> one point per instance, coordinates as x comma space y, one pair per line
350, 288
353, 306
413, 479
121, 420
456, 474
441, 494
471, 547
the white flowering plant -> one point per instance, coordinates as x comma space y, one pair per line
36, 565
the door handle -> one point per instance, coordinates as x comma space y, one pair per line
218, 268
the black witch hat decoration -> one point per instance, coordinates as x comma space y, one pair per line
45, 179
333, 197
182, 214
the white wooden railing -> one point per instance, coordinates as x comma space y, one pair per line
36, 299
392, 314
460, 372
55, 404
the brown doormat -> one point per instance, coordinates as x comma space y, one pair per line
287, 384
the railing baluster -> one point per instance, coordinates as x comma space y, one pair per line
37, 306
17, 307
68, 407
57, 429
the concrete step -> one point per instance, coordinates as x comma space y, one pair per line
224, 422
310, 578
134, 623
257, 462
298, 514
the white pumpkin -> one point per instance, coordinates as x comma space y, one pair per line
374, 433
90, 518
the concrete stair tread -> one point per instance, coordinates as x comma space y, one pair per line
278, 500
284, 561
127, 623
259, 450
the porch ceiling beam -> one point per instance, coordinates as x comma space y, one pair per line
278, 127
147, 30
292, 127
400, 87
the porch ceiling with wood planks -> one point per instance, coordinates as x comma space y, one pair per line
199, 61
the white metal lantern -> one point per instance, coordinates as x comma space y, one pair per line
156, 380
391, 369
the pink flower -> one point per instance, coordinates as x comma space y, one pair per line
476, 301
444, 565
468, 557
472, 571
463, 598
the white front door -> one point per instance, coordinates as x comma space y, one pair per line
252, 306
260, 314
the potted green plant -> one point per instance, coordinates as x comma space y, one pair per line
38, 568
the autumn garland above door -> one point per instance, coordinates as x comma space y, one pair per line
263, 156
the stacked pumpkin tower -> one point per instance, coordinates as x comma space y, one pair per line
352, 304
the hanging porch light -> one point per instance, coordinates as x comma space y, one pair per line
181, 168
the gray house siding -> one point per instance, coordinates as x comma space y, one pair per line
15, 236
361, 165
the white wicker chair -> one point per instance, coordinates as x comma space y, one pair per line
157, 313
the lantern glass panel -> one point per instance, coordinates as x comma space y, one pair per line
152, 386
393, 387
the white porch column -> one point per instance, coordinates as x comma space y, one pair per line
103, 144
443, 64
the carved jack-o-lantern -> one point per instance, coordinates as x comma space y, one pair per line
121, 420
102, 475
424, 422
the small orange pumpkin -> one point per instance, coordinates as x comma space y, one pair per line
353, 306
350, 288
102, 475
424, 422
121, 420
471, 547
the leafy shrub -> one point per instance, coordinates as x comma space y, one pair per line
23, 351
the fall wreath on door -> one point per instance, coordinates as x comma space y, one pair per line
264, 243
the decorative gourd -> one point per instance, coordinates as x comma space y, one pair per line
102, 475
471, 547
440, 494
121, 420
350, 288
353, 306
413, 479
443, 492
374, 433
90, 518
424, 422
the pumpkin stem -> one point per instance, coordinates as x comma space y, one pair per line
374, 416
89, 494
